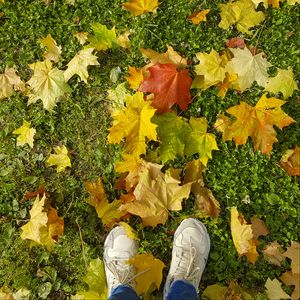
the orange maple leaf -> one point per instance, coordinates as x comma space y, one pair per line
169, 87
256, 122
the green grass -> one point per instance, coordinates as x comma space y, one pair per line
81, 122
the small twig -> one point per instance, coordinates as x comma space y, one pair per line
83, 249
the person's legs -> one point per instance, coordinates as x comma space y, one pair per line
191, 247
118, 249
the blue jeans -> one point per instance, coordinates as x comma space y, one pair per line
179, 290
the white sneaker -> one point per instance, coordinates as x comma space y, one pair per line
191, 247
118, 248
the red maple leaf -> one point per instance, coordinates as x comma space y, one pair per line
169, 87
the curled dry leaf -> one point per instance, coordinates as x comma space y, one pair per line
290, 161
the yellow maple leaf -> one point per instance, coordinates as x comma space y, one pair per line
10, 81
134, 124
149, 270
47, 84
140, 7
242, 13
123, 39
25, 134
135, 77
109, 213
82, 37
169, 57
53, 52
155, 194
131, 233
199, 17
290, 161
79, 64
256, 122
274, 290
44, 226
60, 159
242, 236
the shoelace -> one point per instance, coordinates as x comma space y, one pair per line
191, 273
122, 272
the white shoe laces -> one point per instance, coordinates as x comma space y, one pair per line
122, 272
190, 273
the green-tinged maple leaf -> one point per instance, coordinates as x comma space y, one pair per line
79, 64
199, 141
169, 86
26, 134
168, 57
140, 7
103, 37
116, 97
256, 122
249, 68
123, 39
177, 137
283, 82
10, 81
155, 194
242, 235
274, 290
59, 159
242, 13
215, 292
109, 213
47, 84
290, 161
150, 270
134, 124
53, 52
44, 226
96, 280
211, 66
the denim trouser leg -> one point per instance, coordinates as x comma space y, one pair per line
182, 290
123, 292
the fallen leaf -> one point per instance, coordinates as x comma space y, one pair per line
134, 124
169, 87
26, 134
47, 84
292, 2
259, 228
255, 122
44, 225
283, 82
150, 270
274, 290
103, 37
109, 213
236, 42
82, 37
117, 97
10, 81
169, 57
215, 292
290, 161
290, 278
155, 194
60, 159
123, 39
21, 294
140, 7
40, 192
293, 252
135, 77
273, 254
249, 68
5, 294
199, 17
131, 233
79, 64
242, 13
242, 236
211, 66
96, 280
53, 52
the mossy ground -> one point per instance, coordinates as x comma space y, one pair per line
81, 123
